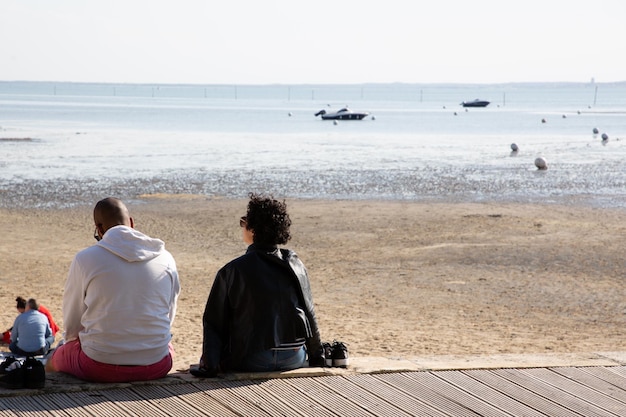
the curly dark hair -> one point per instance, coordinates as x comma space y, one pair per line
268, 219
21, 302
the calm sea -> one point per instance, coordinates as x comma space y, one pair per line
69, 143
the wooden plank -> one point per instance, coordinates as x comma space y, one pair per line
400, 399
233, 395
595, 382
64, 402
5, 411
414, 395
164, 402
330, 399
286, 393
427, 396
607, 375
620, 370
576, 405
520, 394
25, 406
373, 401
127, 400
96, 404
597, 399
200, 400
251, 391
474, 394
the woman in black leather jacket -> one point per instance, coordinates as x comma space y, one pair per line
260, 315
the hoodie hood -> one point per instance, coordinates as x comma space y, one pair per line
130, 244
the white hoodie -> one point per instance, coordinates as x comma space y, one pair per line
120, 298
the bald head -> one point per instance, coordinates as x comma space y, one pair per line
109, 213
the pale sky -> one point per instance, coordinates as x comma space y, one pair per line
297, 42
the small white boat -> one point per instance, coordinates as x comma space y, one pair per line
343, 114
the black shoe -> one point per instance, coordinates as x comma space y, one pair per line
6, 364
34, 373
328, 354
340, 354
199, 372
14, 378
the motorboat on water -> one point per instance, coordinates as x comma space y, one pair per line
475, 103
342, 114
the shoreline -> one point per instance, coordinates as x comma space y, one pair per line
389, 278
46, 196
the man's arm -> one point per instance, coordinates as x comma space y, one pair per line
173, 273
73, 302
213, 323
14, 330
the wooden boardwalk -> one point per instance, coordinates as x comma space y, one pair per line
561, 391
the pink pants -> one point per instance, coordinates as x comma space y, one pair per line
71, 359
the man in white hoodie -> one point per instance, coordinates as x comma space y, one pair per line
119, 304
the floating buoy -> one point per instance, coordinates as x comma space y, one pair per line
455, 113
373, 117
564, 116
605, 136
335, 122
543, 120
289, 114
595, 131
514, 147
541, 163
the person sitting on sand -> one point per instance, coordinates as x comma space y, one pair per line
21, 307
259, 315
119, 304
31, 334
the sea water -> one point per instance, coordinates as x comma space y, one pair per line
73, 143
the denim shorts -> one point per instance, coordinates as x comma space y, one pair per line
274, 360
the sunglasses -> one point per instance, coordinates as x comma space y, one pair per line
243, 221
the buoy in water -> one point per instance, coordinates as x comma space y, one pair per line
289, 114
514, 147
543, 120
595, 131
605, 136
541, 163
335, 122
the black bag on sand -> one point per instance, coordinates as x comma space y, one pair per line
34, 373
29, 374
13, 377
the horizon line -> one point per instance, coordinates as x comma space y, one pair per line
591, 82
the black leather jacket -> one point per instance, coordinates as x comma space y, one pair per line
258, 301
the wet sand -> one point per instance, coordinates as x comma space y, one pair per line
392, 279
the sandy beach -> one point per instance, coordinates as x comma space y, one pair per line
392, 279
